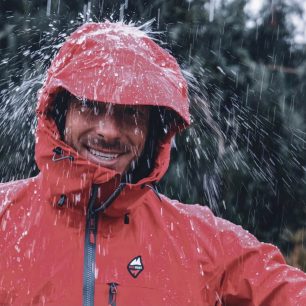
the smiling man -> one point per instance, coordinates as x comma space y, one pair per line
91, 229
111, 136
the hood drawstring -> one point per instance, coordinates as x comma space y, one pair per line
103, 206
59, 151
111, 198
154, 188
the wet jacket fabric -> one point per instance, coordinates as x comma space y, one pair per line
76, 235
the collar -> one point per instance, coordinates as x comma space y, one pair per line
67, 178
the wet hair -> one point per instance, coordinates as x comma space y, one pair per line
145, 164
59, 111
159, 125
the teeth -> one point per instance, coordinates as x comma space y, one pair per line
106, 156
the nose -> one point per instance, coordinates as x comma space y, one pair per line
108, 127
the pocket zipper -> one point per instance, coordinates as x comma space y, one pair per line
113, 290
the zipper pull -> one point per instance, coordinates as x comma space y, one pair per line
113, 290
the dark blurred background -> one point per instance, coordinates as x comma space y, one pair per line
245, 154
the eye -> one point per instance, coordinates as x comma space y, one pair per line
87, 106
82, 105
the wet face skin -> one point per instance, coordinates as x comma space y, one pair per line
112, 136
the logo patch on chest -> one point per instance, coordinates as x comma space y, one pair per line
135, 266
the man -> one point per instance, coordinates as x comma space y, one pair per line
91, 229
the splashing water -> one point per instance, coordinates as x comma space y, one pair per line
18, 100
227, 142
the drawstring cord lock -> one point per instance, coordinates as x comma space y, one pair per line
126, 219
59, 151
61, 200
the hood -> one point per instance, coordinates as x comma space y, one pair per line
115, 63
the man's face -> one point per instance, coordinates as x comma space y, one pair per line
112, 136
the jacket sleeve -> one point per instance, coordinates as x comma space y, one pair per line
255, 274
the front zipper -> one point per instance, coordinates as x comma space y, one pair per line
90, 251
113, 290
90, 244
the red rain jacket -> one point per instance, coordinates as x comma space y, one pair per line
73, 235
